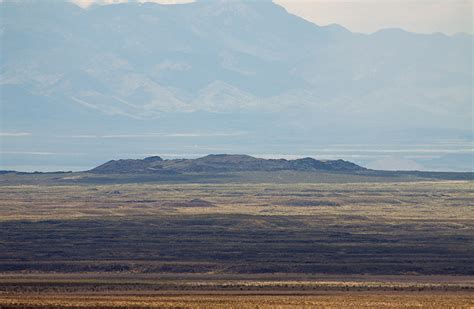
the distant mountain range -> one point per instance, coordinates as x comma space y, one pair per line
86, 79
221, 164
144, 60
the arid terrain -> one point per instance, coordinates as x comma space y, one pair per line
211, 290
399, 244
236, 154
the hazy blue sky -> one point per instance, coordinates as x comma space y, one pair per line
367, 16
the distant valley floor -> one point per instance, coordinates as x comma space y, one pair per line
422, 228
240, 245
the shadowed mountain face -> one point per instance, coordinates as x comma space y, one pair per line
271, 81
221, 163
143, 60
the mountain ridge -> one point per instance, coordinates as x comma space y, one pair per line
265, 59
224, 169
220, 163
288, 83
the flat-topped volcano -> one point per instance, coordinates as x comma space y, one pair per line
221, 163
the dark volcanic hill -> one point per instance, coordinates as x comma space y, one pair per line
221, 163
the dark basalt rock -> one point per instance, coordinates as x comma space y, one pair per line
221, 164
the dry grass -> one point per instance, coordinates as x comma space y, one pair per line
378, 228
238, 246
445, 201
335, 300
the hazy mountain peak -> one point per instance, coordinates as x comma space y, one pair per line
229, 9
266, 72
